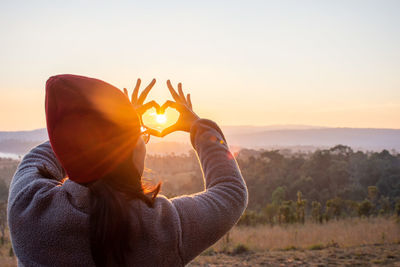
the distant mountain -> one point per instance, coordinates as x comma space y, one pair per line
297, 137
36, 135
20, 142
246, 129
357, 138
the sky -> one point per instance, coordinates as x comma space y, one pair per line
323, 63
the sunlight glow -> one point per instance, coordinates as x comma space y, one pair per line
159, 122
296, 73
161, 118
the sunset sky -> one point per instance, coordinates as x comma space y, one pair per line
327, 63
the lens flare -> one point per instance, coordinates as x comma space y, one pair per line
161, 118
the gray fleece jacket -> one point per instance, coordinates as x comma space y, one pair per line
49, 220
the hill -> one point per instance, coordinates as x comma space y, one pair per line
295, 137
357, 138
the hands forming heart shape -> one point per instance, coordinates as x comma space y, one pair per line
156, 118
182, 104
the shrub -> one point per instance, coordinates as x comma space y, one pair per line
300, 208
332, 244
240, 249
397, 208
287, 212
316, 247
334, 207
316, 212
365, 208
208, 252
291, 247
250, 218
271, 211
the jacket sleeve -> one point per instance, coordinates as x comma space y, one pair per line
205, 217
37, 174
46, 220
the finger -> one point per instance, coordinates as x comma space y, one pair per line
172, 91
126, 92
181, 94
169, 130
135, 91
189, 101
148, 105
171, 104
146, 91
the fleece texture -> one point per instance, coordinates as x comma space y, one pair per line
49, 219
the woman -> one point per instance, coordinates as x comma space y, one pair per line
78, 200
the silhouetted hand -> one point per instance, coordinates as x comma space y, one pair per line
184, 106
137, 101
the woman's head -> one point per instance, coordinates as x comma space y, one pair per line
92, 127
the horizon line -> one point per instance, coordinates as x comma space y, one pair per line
257, 126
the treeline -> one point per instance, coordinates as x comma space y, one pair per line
325, 184
338, 172
281, 211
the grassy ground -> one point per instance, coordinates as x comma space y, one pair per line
350, 242
7, 258
342, 233
367, 255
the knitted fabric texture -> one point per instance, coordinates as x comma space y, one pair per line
92, 125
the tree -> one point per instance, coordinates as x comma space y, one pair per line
300, 208
249, 218
352, 207
384, 204
271, 211
3, 220
278, 195
397, 208
3, 190
316, 212
372, 193
334, 207
341, 150
365, 208
286, 212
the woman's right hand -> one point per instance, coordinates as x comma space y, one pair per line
184, 106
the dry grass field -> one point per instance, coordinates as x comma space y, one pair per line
367, 255
343, 233
7, 258
349, 242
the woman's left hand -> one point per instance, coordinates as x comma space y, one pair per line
138, 100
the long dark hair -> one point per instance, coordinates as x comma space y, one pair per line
110, 231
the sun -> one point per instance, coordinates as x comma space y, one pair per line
161, 118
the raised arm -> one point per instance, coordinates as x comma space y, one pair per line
38, 170
205, 217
